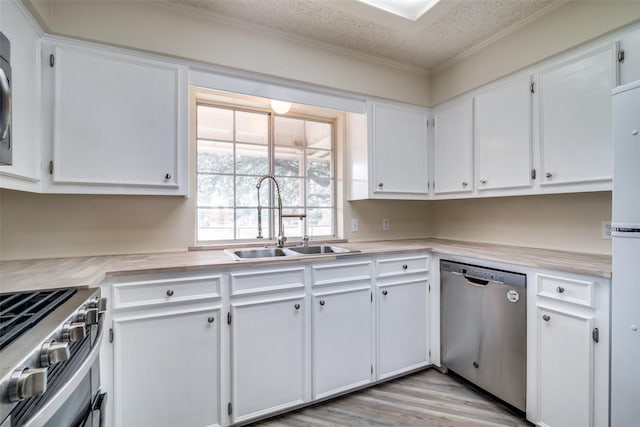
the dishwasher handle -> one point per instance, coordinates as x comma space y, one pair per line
473, 281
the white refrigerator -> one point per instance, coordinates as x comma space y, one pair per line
625, 289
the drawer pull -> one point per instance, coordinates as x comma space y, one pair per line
405, 266
546, 317
560, 289
297, 306
385, 292
170, 293
211, 319
322, 302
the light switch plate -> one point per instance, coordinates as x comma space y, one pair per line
385, 224
354, 225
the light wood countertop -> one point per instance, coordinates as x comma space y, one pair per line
90, 271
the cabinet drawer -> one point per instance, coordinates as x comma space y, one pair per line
261, 281
570, 290
340, 273
402, 265
165, 291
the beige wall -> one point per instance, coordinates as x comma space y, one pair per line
560, 221
570, 25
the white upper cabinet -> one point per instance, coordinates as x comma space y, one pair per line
18, 26
453, 147
503, 135
393, 163
630, 63
119, 121
575, 118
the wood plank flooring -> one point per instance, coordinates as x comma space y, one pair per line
427, 398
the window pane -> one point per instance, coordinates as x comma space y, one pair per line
289, 132
247, 193
293, 227
319, 192
320, 222
214, 123
318, 135
215, 156
252, 127
247, 223
292, 190
287, 161
252, 159
215, 191
215, 224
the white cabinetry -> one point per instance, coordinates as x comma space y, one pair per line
166, 351
118, 120
453, 147
396, 141
575, 118
503, 135
18, 26
402, 294
572, 351
269, 348
630, 65
341, 327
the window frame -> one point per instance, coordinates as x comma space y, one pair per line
269, 213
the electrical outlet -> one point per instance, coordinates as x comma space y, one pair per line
606, 229
354, 225
385, 224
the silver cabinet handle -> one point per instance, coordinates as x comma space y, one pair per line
211, 319
548, 175
405, 266
546, 317
53, 352
380, 185
297, 306
483, 181
560, 289
322, 302
167, 176
385, 292
464, 183
25, 383
170, 293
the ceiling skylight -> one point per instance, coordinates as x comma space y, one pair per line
410, 9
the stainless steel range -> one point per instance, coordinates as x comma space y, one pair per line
49, 344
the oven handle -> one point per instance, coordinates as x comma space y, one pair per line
5, 108
57, 400
98, 404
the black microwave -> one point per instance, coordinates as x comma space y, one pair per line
5, 101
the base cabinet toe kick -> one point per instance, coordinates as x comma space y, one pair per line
234, 345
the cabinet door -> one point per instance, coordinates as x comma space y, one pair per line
630, 66
453, 148
402, 327
267, 357
576, 118
166, 370
503, 135
341, 341
117, 120
565, 369
400, 150
16, 25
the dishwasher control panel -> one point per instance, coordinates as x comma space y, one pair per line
483, 273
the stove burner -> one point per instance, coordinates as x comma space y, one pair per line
20, 311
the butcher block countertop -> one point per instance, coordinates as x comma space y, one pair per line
90, 271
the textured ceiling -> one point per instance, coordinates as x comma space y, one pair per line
449, 29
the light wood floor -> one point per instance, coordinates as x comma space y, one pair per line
427, 398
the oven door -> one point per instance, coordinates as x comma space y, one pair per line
79, 402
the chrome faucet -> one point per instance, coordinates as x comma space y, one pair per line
281, 237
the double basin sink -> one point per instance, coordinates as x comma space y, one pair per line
293, 251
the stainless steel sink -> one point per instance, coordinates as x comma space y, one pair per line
262, 253
320, 249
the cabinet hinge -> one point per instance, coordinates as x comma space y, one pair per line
371, 296
110, 334
434, 122
621, 56
52, 60
429, 352
51, 167
228, 318
532, 87
371, 369
533, 174
429, 288
229, 408
596, 334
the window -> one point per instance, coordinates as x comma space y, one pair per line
235, 147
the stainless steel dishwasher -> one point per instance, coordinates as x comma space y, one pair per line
483, 328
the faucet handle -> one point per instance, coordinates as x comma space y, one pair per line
305, 240
281, 240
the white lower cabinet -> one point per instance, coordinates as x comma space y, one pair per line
341, 340
267, 356
572, 351
166, 369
